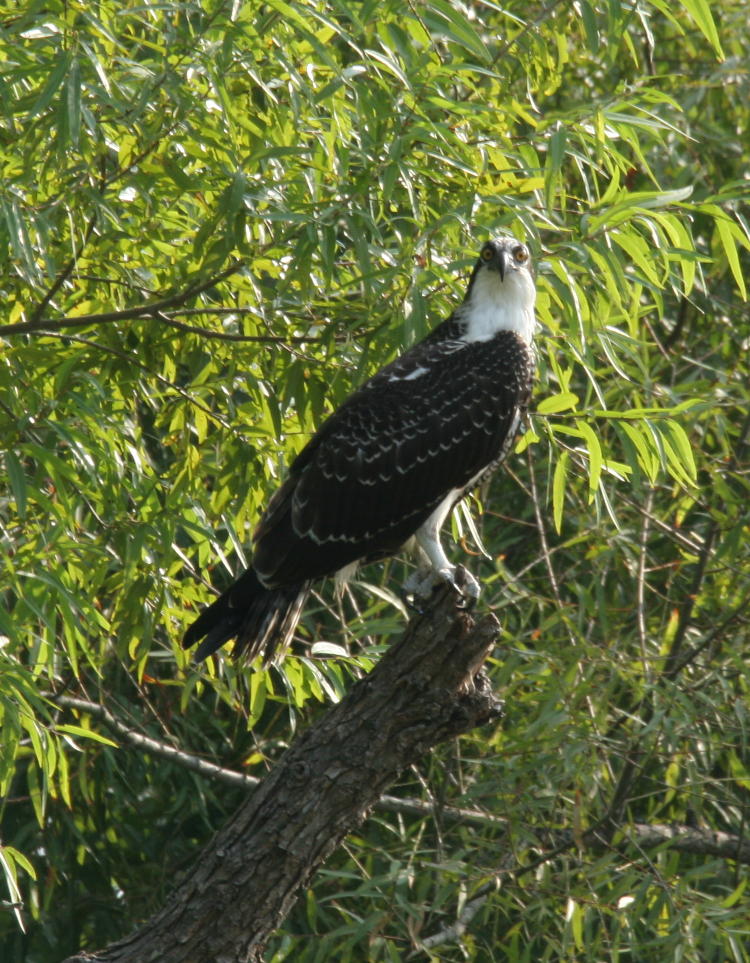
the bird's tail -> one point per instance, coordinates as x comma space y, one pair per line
261, 619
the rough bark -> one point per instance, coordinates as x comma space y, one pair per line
427, 688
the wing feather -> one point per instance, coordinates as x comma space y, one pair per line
424, 426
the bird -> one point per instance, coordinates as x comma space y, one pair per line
386, 468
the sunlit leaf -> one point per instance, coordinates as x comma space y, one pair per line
552, 404
558, 489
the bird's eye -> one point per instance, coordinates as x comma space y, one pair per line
487, 253
521, 254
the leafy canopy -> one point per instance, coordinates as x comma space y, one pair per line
217, 218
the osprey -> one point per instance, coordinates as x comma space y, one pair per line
392, 461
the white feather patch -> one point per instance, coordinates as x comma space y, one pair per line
496, 305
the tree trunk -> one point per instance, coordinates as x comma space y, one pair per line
427, 688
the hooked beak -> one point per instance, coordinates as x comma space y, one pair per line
500, 263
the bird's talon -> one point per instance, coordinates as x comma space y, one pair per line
419, 585
467, 587
466, 602
410, 601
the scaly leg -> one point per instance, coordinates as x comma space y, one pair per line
433, 562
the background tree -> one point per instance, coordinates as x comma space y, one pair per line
214, 219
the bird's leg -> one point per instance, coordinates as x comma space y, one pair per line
434, 567
420, 583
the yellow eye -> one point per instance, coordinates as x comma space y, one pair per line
521, 254
487, 253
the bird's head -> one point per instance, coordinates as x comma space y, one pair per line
501, 291
503, 265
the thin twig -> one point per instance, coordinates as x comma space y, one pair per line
688, 603
684, 839
213, 335
157, 748
144, 310
134, 362
716, 633
669, 530
542, 532
230, 777
673, 663
63, 276
641, 582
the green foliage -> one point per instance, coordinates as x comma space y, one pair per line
214, 220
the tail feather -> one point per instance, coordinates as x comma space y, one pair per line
262, 620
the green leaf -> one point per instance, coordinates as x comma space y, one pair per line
73, 101
443, 17
558, 489
562, 401
54, 80
595, 454
590, 26
8, 859
329, 650
10, 853
736, 895
632, 203
648, 456
258, 691
680, 461
727, 231
74, 730
17, 479
700, 11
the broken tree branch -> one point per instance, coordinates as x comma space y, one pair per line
427, 688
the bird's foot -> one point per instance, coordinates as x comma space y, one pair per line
420, 585
464, 583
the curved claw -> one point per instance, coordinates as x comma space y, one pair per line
421, 584
410, 600
465, 585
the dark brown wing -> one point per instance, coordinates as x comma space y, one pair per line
426, 425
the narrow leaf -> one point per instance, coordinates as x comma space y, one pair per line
726, 235
562, 401
558, 490
17, 480
72, 730
595, 454
700, 11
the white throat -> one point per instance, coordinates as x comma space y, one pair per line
497, 305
